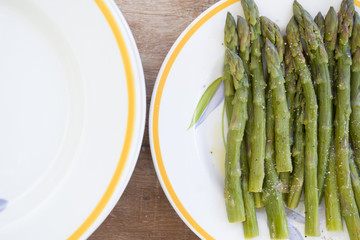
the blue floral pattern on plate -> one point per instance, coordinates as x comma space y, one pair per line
3, 204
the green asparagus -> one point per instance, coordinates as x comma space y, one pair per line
244, 52
318, 59
311, 193
332, 202
355, 90
231, 42
297, 182
233, 194
271, 32
258, 199
320, 22
243, 32
330, 38
250, 225
343, 111
290, 86
274, 203
258, 89
331, 192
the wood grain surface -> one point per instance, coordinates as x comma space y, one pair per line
143, 212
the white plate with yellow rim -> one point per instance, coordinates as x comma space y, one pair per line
72, 99
190, 162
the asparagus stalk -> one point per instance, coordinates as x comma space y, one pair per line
274, 204
320, 22
258, 85
290, 86
250, 225
343, 111
244, 52
271, 32
233, 194
318, 59
311, 193
258, 199
231, 42
298, 152
332, 203
274, 58
243, 32
355, 89
332, 210
330, 38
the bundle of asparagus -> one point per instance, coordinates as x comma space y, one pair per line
283, 135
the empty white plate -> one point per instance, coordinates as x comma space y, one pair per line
72, 103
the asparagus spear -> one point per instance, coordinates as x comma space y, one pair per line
250, 225
243, 32
274, 204
310, 122
343, 111
290, 86
298, 152
244, 52
355, 89
320, 22
331, 29
233, 194
332, 203
258, 199
318, 59
231, 42
258, 85
271, 32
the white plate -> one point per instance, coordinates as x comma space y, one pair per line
189, 163
72, 99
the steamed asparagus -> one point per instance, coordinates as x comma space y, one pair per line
318, 59
297, 181
231, 42
311, 193
258, 89
233, 193
343, 111
273, 200
320, 22
250, 224
332, 202
355, 90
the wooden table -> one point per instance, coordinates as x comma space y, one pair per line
143, 211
